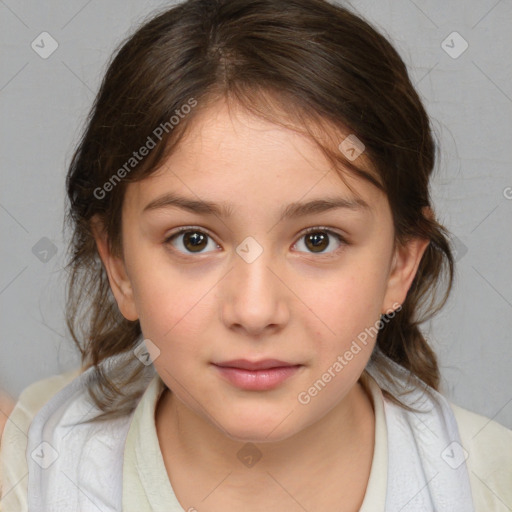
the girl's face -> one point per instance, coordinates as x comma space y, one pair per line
245, 281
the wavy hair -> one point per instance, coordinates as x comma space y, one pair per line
309, 65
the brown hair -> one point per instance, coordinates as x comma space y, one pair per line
306, 64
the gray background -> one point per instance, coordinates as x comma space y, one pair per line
43, 106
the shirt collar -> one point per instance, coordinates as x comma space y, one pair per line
147, 486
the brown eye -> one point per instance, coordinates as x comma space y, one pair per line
317, 240
194, 241
190, 241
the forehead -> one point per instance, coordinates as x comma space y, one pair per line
229, 155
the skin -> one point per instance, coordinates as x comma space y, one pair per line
291, 303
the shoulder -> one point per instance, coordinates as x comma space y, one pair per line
13, 466
34, 396
488, 451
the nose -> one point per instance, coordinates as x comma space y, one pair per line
255, 295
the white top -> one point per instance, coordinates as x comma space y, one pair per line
146, 486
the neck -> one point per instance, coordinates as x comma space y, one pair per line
340, 444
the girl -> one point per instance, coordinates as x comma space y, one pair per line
253, 251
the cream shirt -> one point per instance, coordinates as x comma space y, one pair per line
146, 486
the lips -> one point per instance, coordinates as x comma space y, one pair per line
261, 375
264, 364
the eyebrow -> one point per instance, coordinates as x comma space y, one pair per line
224, 209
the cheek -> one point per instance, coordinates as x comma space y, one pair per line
175, 320
345, 310
345, 303
170, 304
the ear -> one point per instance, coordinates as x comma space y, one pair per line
120, 283
406, 260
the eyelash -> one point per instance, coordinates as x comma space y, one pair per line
317, 229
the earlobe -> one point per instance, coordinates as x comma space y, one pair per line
117, 276
406, 260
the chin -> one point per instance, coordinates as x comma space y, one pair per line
258, 436
263, 428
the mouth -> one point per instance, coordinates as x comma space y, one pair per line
261, 375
